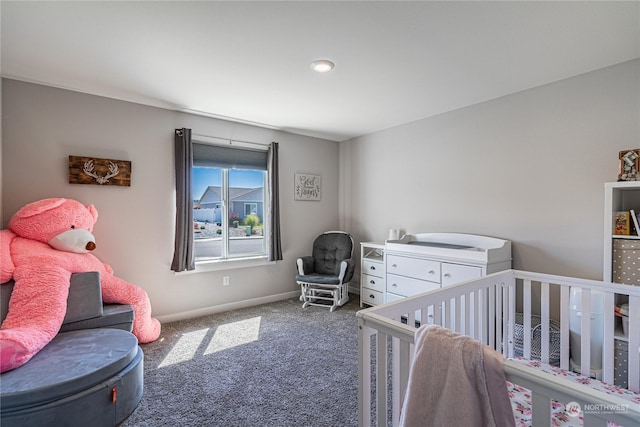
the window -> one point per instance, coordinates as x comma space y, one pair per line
229, 192
225, 163
250, 209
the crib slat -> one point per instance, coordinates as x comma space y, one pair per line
437, 313
526, 321
585, 334
564, 327
364, 374
608, 360
404, 366
512, 316
381, 379
634, 343
395, 380
467, 312
458, 315
492, 315
505, 325
411, 318
544, 321
487, 320
477, 316
499, 324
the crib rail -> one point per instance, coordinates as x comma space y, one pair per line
598, 408
485, 309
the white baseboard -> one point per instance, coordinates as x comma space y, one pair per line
226, 307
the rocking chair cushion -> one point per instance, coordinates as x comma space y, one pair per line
321, 279
329, 250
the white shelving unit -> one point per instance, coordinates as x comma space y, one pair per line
372, 273
618, 196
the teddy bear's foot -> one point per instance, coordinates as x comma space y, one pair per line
148, 331
12, 355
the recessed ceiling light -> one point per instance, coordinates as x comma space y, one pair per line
322, 66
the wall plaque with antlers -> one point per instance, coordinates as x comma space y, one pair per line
90, 170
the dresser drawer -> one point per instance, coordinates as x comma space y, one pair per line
371, 297
373, 282
422, 269
407, 286
373, 268
456, 273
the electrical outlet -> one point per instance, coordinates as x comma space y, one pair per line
225, 280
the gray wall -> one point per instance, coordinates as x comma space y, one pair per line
44, 125
529, 167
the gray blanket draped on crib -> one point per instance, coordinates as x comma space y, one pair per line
455, 380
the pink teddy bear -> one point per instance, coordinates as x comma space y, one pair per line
45, 243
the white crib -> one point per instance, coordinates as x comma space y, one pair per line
485, 309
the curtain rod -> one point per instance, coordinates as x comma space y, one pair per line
230, 140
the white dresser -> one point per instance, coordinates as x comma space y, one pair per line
422, 262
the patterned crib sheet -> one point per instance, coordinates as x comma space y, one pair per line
560, 416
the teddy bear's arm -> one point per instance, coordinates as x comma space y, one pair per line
6, 263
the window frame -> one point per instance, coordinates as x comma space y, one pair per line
183, 255
226, 257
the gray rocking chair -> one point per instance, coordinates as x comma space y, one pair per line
325, 275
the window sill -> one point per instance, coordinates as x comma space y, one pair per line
228, 264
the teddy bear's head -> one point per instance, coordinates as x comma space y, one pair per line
64, 224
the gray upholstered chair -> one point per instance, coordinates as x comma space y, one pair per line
325, 275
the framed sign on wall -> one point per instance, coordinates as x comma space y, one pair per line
307, 186
629, 165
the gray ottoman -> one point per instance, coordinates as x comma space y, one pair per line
82, 378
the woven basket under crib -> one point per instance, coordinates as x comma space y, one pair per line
536, 339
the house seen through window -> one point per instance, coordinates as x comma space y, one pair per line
228, 209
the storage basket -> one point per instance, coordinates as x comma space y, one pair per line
626, 257
621, 365
536, 339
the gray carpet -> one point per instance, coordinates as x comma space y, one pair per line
271, 365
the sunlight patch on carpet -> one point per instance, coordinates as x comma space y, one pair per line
234, 334
185, 349
226, 336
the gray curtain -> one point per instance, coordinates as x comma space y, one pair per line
275, 249
183, 257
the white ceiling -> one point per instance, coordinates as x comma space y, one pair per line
396, 62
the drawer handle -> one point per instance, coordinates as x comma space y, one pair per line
372, 296
432, 272
372, 268
394, 285
394, 265
373, 282
447, 275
